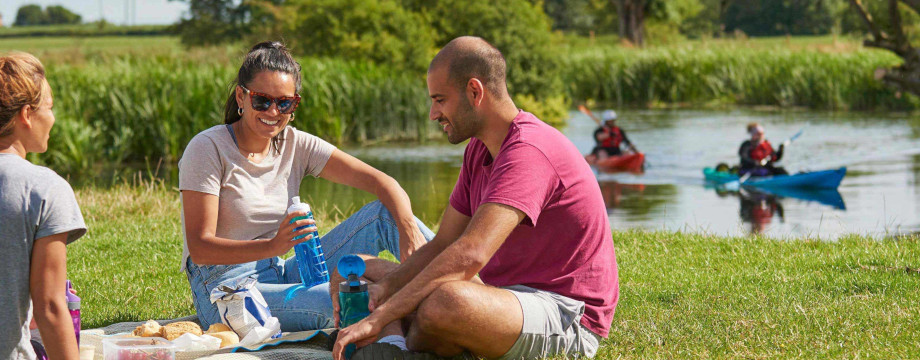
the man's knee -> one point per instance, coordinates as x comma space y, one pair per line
445, 306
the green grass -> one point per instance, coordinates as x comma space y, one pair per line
682, 295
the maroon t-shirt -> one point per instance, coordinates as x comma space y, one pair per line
564, 244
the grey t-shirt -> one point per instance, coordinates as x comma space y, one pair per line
253, 198
34, 203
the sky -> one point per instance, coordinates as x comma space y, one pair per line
146, 11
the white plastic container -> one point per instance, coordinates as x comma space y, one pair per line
152, 348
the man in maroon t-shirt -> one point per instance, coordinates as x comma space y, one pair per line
526, 214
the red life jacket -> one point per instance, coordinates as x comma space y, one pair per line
616, 137
762, 212
762, 151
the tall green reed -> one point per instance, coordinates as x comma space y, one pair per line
128, 109
780, 77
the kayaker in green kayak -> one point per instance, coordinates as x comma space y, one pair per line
609, 137
758, 156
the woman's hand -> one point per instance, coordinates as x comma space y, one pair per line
287, 231
410, 242
377, 294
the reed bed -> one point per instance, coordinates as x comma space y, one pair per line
130, 109
732, 76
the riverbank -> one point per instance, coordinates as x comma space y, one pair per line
682, 295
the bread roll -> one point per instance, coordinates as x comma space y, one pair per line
227, 338
176, 329
219, 327
150, 328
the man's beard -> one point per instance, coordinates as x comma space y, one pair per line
465, 124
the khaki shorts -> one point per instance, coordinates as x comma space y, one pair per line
552, 326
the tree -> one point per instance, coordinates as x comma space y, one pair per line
780, 17
30, 15
904, 77
632, 19
57, 14
570, 15
213, 22
524, 39
381, 31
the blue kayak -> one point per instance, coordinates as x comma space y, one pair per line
830, 197
826, 179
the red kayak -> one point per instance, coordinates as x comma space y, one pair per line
631, 162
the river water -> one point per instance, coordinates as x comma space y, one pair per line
880, 196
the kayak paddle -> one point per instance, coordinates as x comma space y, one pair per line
590, 114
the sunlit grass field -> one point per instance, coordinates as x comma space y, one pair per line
682, 295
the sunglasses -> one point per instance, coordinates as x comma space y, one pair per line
263, 102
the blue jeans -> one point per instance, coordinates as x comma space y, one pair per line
369, 231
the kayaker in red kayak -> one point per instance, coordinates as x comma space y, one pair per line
609, 137
758, 156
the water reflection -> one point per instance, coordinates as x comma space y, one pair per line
428, 185
758, 209
636, 202
612, 192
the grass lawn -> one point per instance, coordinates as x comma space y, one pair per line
682, 295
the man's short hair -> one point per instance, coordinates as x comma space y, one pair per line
468, 57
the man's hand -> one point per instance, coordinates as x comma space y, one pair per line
361, 333
334, 280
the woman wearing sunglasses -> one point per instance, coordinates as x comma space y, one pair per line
236, 180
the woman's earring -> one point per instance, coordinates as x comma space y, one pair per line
239, 111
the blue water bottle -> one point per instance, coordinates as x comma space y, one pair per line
309, 254
353, 296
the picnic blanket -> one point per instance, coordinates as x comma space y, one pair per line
310, 345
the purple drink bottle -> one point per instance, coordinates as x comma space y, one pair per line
73, 304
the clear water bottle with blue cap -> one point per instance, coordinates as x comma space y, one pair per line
353, 297
309, 254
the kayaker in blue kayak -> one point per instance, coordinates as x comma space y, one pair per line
758, 156
609, 137
758, 209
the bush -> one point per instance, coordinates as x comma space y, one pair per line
518, 28
377, 30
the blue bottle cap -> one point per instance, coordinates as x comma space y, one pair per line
351, 265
